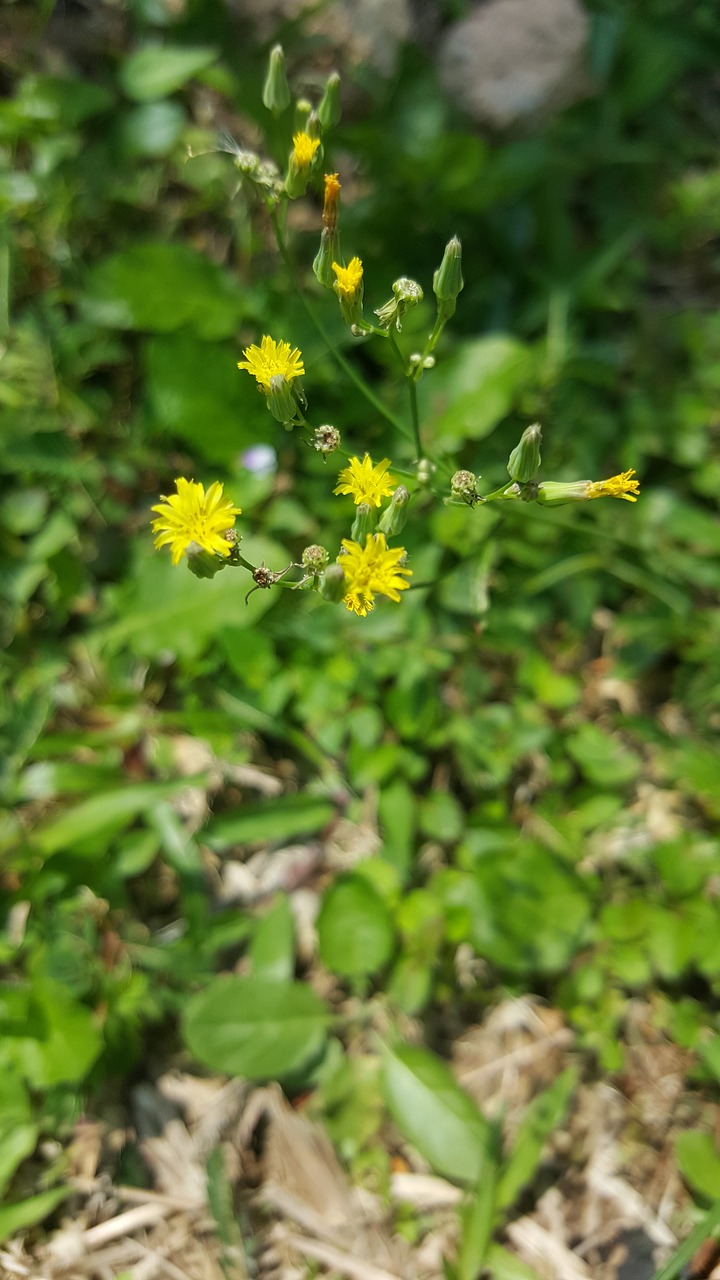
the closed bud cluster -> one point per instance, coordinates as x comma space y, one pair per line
329, 109
327, 439
394, 517
448, 279
315, 558
524, 461
406, 294
276, 91
464, 486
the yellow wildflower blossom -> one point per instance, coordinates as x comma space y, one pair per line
193, 520
304, 148
372, 570
622, 486
348, 279
270, 359
365, 483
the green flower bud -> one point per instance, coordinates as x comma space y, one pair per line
328, 253
524, 461
364, 522
281, 401
303, 111
394, 517
329, 110
406, 294
276, 91
333, 585
554, 492
448, 280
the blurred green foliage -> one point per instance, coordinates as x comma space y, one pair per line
534, 726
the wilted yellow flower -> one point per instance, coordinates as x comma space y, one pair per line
270, 359
372, 570
349, 279
193, 520
331, 201
365, 483
304, 148
622, 486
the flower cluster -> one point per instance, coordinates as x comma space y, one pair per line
199, 525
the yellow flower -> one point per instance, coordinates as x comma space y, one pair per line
622, 486
304, 148
270, 359
372, 570
349, 279
192, 520
366, 483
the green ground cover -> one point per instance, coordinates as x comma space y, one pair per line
530, 735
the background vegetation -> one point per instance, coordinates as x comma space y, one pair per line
515, 771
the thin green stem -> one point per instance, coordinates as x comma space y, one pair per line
412, 387
337, 355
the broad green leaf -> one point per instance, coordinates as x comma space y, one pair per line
97, 819
541, 1118
18, 1131
434, 1113
17, 1217
157, 70
355, 931
255, 1028
279, 819
61, 99
272, 950
152, 129
65, 1043
162, 608
604, 759
397, 811
699, 1162
161, 287
480, 388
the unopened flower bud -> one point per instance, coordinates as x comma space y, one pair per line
554, 492
524, 461
464, 485
394, 517
406, 294
328, 253
276, 91
448, 280
329, 109
303, 108
425, 471
333, 585
313, 128
327, 439
281, 401
364, 522
315, 558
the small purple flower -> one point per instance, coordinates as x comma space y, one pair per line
260, 459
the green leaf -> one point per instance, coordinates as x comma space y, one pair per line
476, 1224
157, 70
434, 1113
161, 287
503, 1265
699, 1162
355, 931
279, 819
162, 608
17, 1217
480, 387
102, 816
255, 1028
60, 1044
541, 1118
604, 759
152, 129
18, 1132
272, 950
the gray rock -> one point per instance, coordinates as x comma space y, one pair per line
515, 60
